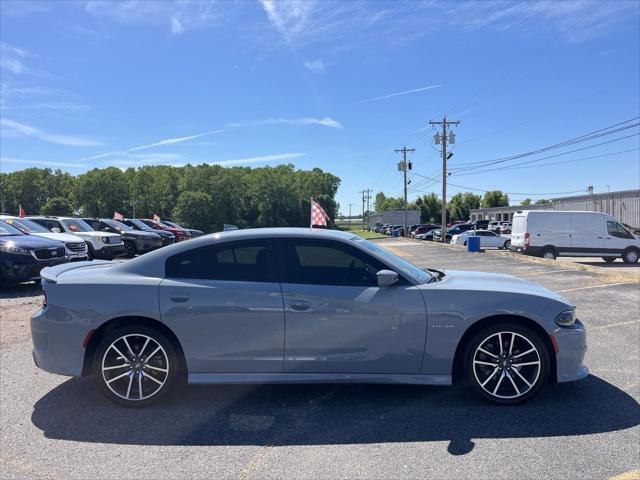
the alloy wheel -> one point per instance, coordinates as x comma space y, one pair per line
135, 367
506, 365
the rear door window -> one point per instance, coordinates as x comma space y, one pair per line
246, 261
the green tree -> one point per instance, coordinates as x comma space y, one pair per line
461, 204
542, 201
192, 210
57, 206
430, 208
495, 198
100, 192
526, 201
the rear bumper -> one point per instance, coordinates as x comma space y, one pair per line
533, 251
57, 343
572, 347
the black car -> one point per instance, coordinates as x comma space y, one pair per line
167, 237
135, 242
194, 233
451, 231
22, 256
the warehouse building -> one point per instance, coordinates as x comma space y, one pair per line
624, 206
394, 217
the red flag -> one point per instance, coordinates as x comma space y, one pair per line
156, 217
318, 215
21, 212
118, 216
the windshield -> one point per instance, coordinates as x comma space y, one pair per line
118, 225
171, 224
7, 230
394, 260
26, 225
140, 225
77, 225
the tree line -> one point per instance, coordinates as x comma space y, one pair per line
458, 207
198, 196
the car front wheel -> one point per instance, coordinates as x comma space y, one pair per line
135, 366
507, 363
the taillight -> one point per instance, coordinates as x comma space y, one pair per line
527, 239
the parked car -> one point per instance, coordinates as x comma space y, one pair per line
505, 227
493, 226
550, 234
399, 229
75, 248
426, 236
195, 302
455, 222
180, 234
423, 229
135, 242
23, 256
192, 231
102, 245
635, 231
480, 224
487, 239
455, 230
167, 237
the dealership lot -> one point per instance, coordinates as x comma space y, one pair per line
54, 427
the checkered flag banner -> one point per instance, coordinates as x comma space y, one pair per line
318, 215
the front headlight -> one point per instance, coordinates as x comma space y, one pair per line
10, 248
566, 318
104, 239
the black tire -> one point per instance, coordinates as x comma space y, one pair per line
165, 358
507, 245
534, 375
549, 253
609, 259
631, 255
464, 244
129, 249
90, 255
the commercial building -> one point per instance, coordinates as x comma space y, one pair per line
624, 206
394, 217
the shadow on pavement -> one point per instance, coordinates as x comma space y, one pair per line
331, 414
21, 290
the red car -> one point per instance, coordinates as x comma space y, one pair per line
180, 233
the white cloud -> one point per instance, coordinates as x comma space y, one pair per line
176, 26
45, 163
12, 128
10, 58
315, 66
397, 94
260, 159
172, 141
325, 122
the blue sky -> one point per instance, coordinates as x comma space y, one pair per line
337, 85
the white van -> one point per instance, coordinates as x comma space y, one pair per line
550, 234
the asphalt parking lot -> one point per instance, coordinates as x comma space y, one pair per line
55, 427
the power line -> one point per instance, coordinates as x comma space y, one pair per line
582, 138
473, 171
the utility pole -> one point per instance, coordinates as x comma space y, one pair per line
366, 197
403, 166
451, 139
350, 215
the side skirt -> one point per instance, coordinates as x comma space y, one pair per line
209, 378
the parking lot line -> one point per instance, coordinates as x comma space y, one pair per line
610, 325
594, 286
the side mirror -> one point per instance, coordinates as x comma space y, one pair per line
387, 278
55, 230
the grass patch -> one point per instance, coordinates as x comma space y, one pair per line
367, 235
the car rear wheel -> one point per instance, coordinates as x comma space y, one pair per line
549, 254
507, 363
507, 245
631, 255
135, 366
609, 259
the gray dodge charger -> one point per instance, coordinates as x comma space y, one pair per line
299, 305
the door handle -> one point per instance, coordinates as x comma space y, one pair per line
599, 238
300, 306
179, 297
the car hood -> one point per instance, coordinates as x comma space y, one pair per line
97, 234
61, 237
29, 241
495, 282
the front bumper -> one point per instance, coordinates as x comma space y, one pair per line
109, 252
22, 268
572, 347
57, 342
